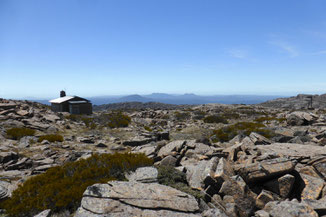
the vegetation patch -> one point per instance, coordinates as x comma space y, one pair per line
215, 119
227, 133
117, 119
19, 132
268, 119
61, 188
51, 138
148, 128
182, 116
168, 175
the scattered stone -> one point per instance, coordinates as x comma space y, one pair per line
258, 139
171, 148
169, 161
214, 213
263, 198
281, 186
45, 213
313, 187
144, 175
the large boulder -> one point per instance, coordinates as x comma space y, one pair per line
117, 198
299, 118
171, 148
289, 209
265, 170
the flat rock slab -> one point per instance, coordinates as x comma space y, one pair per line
266, 169
313, 187
117, 198
290, 209
143, 174
292, 150
171, 147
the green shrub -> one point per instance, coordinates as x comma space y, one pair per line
117, 119
230, 114
168, 175
199, 115
227, 133
215, 119
148, 128
17, 133
268, 119
61, 188
89, 122
181, 116
51, 138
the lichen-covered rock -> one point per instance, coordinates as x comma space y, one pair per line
171, 148
266, 169
117, 198
201, 174
313, 187
281, 186
289, 209
143, 174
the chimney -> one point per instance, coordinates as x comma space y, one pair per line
62, 93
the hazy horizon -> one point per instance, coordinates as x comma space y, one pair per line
105, 47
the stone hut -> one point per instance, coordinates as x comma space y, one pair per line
71, 104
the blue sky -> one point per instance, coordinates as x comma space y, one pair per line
206, 47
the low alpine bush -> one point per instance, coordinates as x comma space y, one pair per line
19, 132
61, 188
51, 138
227, 133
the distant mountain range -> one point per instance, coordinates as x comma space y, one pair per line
190, 99
184, 99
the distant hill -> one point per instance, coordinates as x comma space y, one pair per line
138, 106
184, 99
297, 102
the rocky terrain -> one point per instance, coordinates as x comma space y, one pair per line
240, 160
297, 102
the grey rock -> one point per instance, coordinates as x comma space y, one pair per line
171, 148
3, 190
200, 175
318, 205
299, 118
281, 186
266, 169
8, 156
89, 140
149, 150
101, 145
291, 150
136, 199
244, 198
313, 187
289, 209
258, 139
143, 174
168, 161
262, 213
45, 213
263, 198
23, 163
214, 213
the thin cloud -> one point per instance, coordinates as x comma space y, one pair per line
287, 48
238, 53
321, 52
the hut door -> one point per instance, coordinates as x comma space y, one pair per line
74, 109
